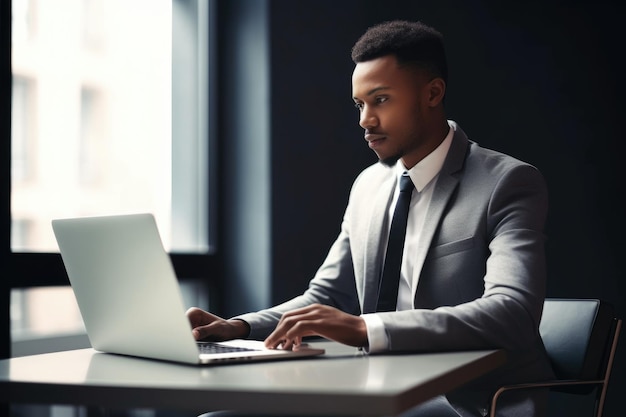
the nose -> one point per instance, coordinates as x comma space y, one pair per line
367, 119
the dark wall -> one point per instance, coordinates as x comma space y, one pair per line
317, 145
541, 81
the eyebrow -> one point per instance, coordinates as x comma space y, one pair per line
373, 91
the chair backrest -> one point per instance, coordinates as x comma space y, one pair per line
576, 333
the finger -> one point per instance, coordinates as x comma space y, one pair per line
279, 335
272, 341
211, 331
302, 310
297, 343
290, 335
294, 324
198, 317
286, 345
192, 316
196, 334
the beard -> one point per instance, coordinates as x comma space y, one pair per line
390, 161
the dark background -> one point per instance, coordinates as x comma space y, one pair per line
542, 81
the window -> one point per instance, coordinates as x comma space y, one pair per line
101, 109
94, 137
92, 148
24, 110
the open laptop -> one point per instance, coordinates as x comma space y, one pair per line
129, 297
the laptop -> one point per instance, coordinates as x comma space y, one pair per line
129, 296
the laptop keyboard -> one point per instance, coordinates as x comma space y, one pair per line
213, 347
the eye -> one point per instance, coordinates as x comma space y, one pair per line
358, 105
381, 99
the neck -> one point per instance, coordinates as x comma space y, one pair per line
434, 136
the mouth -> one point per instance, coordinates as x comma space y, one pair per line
374, 140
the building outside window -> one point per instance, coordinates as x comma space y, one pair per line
92, 134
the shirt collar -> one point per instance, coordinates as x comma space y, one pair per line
428, 168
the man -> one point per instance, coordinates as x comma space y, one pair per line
472, 274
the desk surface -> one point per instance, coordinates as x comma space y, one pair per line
343, 381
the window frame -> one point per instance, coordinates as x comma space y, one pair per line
36, 269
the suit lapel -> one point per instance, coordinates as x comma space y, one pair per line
445, 186
373, 253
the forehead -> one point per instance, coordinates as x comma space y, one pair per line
383, 72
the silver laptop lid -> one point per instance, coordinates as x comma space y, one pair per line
129, 296
121, 275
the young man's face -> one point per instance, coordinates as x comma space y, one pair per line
394, 104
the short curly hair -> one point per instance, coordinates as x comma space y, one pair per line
412, 43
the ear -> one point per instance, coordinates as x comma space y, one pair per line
436, 89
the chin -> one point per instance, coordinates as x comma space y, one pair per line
389, 161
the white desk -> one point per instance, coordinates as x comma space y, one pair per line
342, 382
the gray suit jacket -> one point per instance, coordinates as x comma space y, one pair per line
481, 266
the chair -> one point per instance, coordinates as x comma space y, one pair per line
580, 336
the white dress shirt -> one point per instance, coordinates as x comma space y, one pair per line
424, 176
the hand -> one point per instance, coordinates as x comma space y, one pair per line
207, 326
317, 320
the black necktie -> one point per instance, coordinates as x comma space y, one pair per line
388, 294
